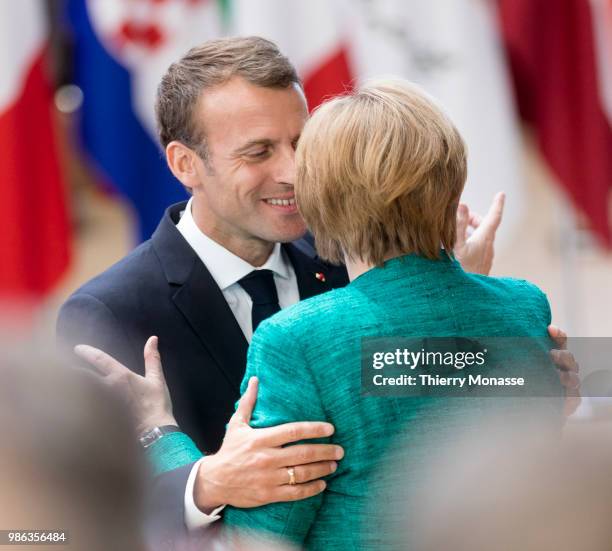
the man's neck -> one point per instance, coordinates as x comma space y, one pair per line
252, 250
255, 252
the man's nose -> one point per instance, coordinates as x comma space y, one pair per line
285, 166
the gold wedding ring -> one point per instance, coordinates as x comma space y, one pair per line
291, 473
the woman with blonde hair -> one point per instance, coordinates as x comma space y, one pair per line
380, 174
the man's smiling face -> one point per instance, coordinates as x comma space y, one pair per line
245, 189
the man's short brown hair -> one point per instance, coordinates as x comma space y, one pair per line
379, 174
255, 59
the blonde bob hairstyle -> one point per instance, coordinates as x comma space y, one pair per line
379, 174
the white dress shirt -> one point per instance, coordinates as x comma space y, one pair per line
227, 269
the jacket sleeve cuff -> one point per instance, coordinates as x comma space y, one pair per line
194, 518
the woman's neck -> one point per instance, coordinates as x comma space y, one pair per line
356, 267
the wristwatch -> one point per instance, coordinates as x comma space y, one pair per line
156, 433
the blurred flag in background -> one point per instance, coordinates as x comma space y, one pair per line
121, 50
601, 14
453, 48
312, 34
562, 62
34, 228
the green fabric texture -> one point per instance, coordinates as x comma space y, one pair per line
308, 360
170, 452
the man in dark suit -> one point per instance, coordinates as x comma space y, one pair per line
229, 113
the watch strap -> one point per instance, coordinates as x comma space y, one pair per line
156, 433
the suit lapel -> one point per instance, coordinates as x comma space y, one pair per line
205, 308
199, 298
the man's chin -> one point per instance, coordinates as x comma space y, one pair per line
287, 235
293, 237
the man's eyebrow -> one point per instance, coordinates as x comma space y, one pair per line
253, 143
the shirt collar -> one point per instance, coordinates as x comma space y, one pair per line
224, 266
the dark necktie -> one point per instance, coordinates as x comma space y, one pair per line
262, 290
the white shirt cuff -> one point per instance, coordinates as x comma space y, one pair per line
194, 518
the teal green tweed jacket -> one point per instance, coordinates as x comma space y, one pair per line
307, 358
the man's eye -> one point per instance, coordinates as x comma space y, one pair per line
259, 153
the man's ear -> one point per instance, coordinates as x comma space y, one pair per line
182, 163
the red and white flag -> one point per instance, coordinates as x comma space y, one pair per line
34, 227
561, 64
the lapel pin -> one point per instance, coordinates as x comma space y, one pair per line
320, 276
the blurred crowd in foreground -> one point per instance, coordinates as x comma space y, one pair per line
69, 461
